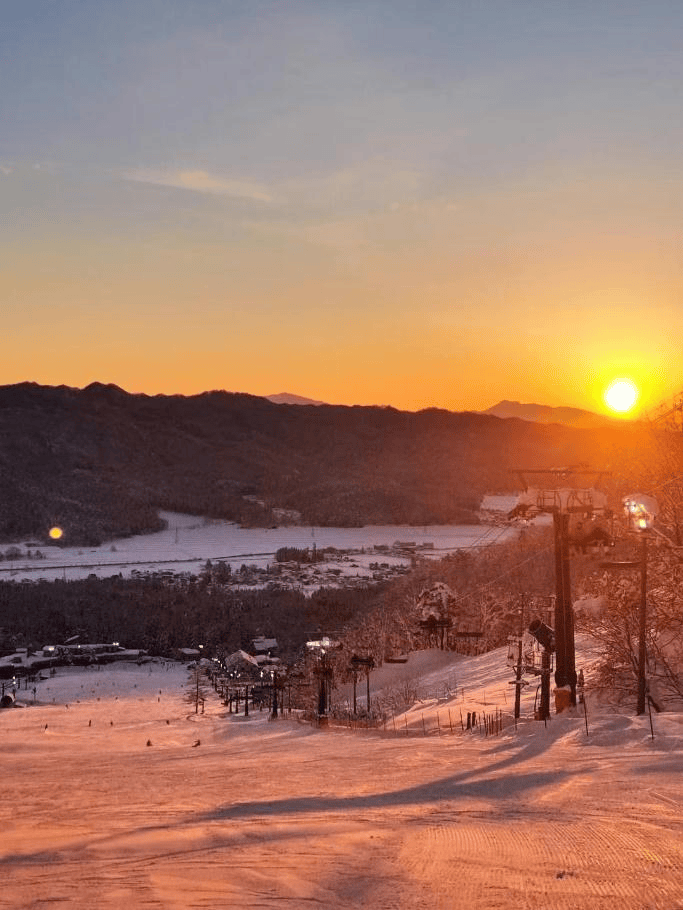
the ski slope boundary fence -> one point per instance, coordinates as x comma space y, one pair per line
446, 722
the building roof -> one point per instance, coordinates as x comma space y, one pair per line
262, 644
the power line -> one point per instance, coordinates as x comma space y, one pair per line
507, 571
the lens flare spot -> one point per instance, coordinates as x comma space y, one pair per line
621, 395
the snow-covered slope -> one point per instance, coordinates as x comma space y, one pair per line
115, 794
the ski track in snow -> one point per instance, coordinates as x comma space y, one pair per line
278, 814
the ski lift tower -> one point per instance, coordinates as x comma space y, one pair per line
560, 494
322, 647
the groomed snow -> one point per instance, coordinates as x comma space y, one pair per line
115, 795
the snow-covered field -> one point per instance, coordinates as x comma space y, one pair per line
115, 795
189, 541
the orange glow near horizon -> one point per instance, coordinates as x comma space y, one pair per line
385, 223
408, 323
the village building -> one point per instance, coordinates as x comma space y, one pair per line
243, 666
265, 651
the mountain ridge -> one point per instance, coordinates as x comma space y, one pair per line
505, 409
542, 413
102, 462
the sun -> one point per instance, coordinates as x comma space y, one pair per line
621, 395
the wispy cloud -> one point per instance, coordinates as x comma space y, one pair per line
368, 186
203, 182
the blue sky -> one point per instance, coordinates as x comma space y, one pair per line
398, 203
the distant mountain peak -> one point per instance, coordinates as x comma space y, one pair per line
105, 387
543, 413
288, 398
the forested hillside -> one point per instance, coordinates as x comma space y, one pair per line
101, 462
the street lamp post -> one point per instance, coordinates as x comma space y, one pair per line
641, 511
642, 626
274, 681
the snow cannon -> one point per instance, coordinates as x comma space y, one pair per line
543, 634
7, 700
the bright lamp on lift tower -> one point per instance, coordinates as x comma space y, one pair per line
641, 510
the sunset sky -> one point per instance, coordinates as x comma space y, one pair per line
416, 204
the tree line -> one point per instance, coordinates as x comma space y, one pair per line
160, 615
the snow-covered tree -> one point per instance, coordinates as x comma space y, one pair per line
612, 615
